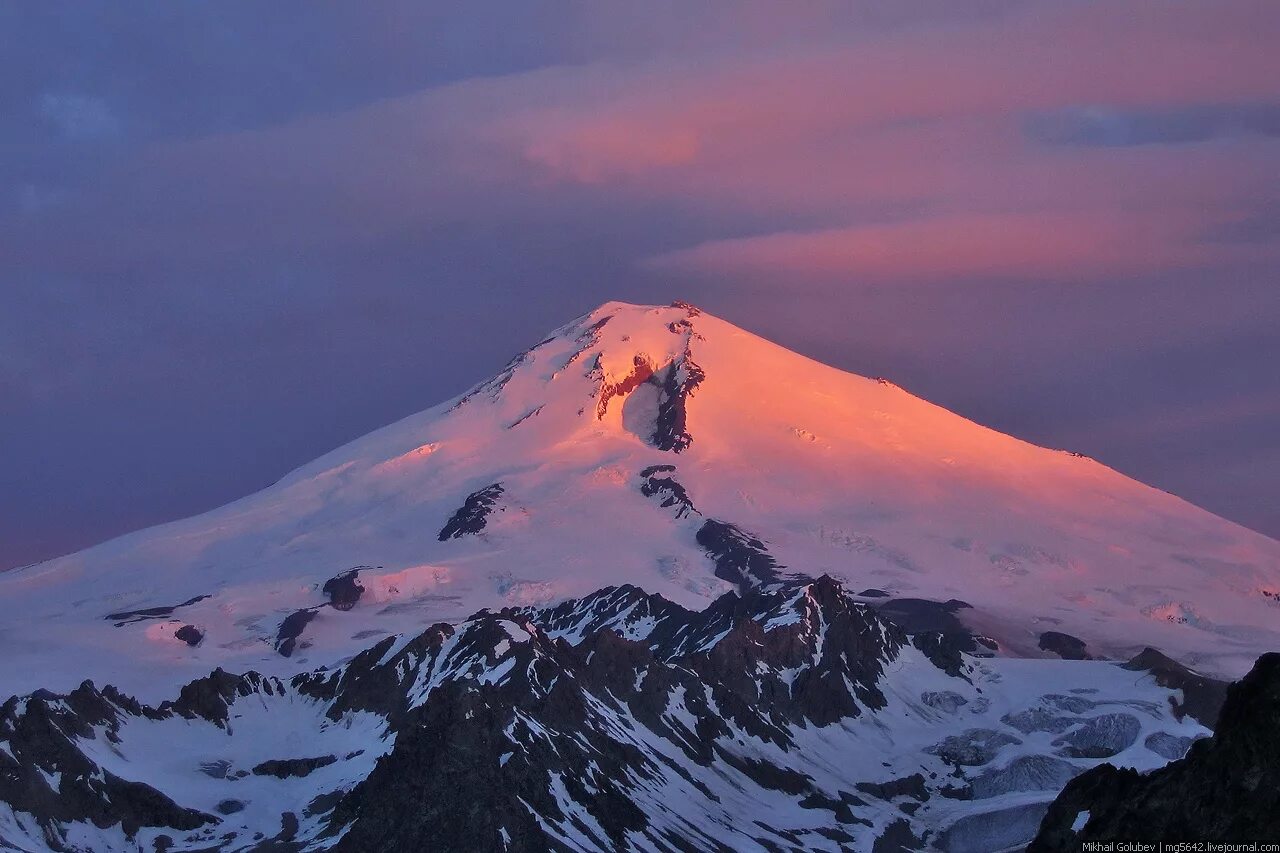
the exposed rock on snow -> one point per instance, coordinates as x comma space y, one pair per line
472, 516
287, 767
936, 631
291, 629
344, 590
125, 617
740, 558
678, 383
189, 634
659, 481
1064, 646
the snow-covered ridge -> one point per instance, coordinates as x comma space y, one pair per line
531, 489
796, 716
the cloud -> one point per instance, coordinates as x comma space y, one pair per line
1045, 245
1102, 126
1050, 57
924, 115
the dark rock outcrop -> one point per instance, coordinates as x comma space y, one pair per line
936, 631
1227, 788
658, 481
286, 767
739, 557
678, 383
291, 629
1064, 646
126, 616
454, 778
471, 517
1202, 697
897, 838
344, 590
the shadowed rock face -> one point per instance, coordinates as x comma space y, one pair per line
922, 614
284, 768
936, 631
472, 516
1202, 697
670, 431
344, 590
1227, 788
1064, 646
189, 634
739, 557
658, 481
291, 629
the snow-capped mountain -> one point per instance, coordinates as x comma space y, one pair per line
658, 584
530, 488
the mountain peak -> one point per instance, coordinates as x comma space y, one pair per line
663, 447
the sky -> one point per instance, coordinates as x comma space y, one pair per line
236, 235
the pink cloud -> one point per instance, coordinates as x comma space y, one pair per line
820, 135
1049, 245
755, 109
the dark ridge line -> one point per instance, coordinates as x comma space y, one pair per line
524, 418
130, 616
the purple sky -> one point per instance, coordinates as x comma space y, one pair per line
236, 235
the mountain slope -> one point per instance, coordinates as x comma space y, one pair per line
663, 447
